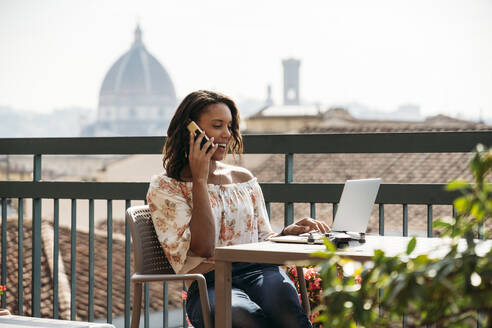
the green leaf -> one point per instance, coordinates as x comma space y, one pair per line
421, 259
476, 210
441, 223
457, 185
461, 204
475, 165
411, 245
321, 254
378, 253
329, 245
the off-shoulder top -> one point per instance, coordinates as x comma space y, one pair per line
238, 208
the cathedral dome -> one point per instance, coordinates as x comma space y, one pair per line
137, 72
137, 96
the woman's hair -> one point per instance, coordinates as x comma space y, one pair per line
176, 149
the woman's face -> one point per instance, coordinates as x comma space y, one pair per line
216, 121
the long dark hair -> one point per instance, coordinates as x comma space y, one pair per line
177, 145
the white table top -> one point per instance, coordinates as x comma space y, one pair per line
15, 321
279, 253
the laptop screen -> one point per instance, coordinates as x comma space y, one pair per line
356, 203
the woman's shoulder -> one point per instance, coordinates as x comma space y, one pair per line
163, 181
156, 178
239, 174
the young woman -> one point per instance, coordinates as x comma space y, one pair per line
199, 203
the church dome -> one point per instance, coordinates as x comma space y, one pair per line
137, 96
137, 72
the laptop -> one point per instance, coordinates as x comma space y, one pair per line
352, 216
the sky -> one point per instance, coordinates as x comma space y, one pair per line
381, 53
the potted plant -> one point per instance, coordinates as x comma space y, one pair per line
453, 291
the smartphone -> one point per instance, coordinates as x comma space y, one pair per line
196, 131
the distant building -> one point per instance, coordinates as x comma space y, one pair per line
137, 96
289, 117
291, 81
339, 120
284, 119
61, 122
269, 99
405, 112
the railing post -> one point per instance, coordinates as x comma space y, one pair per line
4, 248
20, 256
480, 230
73, 263
91, 260
36, 242
165, 312
289, 177
381, 219
185, 323
146, 305
429, 220
56, 252
109, 299
405, 220
127, 267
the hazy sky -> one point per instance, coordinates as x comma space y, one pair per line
382, 53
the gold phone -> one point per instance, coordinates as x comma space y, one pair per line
196, 131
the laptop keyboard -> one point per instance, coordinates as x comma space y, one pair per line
339, 236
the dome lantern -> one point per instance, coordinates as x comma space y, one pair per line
138, 36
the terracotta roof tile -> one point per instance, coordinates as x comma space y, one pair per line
100, 269
392, 168
349, 124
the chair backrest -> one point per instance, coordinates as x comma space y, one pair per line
148, 254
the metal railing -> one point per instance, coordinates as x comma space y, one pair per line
287, 192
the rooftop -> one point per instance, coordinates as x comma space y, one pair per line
64, 273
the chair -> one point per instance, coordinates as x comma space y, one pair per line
150, 263
303, 290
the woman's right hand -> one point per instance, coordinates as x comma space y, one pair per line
199, 159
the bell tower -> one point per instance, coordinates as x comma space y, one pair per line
291, 81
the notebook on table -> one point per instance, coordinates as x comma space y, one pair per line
352, 216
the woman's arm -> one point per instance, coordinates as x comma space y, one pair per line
202, 224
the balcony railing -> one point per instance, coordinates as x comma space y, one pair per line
287, 192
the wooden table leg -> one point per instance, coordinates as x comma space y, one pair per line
223, 281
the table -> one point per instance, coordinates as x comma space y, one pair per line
16, 321
281, 253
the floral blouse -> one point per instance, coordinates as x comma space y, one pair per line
238, 208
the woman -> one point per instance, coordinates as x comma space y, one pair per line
199, 203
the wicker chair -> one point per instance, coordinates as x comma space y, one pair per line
150, 263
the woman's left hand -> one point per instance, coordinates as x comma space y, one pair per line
306, 225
